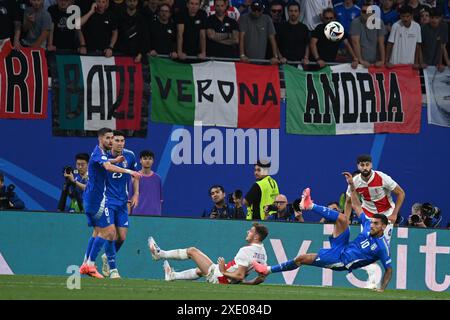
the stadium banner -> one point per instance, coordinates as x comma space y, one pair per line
340, 100
420, 257
437, 86
92, 92
213, 93
23, 83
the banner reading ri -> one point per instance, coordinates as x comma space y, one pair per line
340, 100
234, 95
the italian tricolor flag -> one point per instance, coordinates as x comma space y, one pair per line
95, 92
342, 100
213, 93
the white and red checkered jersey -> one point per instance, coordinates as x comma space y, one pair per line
376, 193
245, 257
232, 12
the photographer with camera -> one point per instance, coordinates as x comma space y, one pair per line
281, 210
235, 199
71, 198
424, 216
220, 210
8, 198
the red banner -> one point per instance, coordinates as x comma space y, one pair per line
23, 83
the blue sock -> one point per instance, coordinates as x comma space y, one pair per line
110, 250
285, 266
96, 247
118, 245
89, 248
325, 212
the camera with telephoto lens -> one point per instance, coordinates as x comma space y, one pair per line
429, 211
415, 219
296, 205
67, 170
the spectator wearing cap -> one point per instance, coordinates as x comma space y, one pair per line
434, 40
262, 192
191, 31
311, 10
222, 32
323, 50
403, 45
256, 29
368, 40
293, 37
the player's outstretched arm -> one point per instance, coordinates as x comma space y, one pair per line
356, 204
113, 168
386, 278
255, 281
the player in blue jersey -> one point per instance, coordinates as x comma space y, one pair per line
117, 201
94, 200
369, 246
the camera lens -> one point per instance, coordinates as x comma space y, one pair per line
415, 218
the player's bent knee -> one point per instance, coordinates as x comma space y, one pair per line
191, 251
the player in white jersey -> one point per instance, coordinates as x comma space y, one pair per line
375, 189
233, 272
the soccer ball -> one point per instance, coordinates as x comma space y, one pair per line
334, 31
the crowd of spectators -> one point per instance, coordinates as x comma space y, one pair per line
383, 32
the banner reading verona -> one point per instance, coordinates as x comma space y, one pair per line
437, 85
23, 83
226, 94
90, 93
340, 100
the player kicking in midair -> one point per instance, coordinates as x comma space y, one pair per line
233, 272
369, 246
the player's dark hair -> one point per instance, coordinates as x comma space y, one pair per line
2, 177
261, 230
82, 156
405, 10
146, 153
101, 132
118, 133
276, 3
216, 186
364, 158
382, 217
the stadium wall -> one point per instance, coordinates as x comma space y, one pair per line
48, 243
33, 158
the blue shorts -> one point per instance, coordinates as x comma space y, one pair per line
119, 214
98, 217
331, 258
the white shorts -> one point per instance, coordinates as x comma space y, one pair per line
214, 274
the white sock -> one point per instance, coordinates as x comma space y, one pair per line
178, 254
190, 274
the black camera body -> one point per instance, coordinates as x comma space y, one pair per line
6, 196
272, 207
415, 218
67, 170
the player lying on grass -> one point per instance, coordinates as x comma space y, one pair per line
233, 272
369, 246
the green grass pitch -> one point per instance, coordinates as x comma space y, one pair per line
54, 287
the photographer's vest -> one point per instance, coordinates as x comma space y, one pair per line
269, 190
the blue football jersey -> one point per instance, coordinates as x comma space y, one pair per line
95, 189
365, 249
117, 183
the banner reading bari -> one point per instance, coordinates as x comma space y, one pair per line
225, 94
341, 100
92, 92
23, 83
